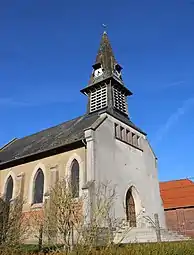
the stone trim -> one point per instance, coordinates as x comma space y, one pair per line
81, 170
12, 174
31, 184
127, 136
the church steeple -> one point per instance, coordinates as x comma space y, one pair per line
106, 89
105, 60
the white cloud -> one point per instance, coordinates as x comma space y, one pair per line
174, 84
187, 104
39, 99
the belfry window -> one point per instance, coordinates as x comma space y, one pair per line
75, 178
117, 70
38, 187
120, 101
98, 70
9, 189
98, 98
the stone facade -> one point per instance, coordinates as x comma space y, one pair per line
127, 166
26, 173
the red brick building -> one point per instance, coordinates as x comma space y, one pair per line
178, 201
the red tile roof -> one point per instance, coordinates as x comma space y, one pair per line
178, 193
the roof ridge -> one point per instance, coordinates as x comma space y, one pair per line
176, 180
7, 144
49, 128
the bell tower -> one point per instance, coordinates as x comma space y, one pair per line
106, 90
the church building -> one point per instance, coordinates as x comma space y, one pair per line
101, 145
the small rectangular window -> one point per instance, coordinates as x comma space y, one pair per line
117, 131
134, 138
138, 141
156, 163
129, 136
122, 132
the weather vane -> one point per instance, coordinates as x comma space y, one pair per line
104, 26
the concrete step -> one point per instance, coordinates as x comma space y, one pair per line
131, 235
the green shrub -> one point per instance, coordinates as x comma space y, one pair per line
173, 248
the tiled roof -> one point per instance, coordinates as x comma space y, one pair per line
177, 193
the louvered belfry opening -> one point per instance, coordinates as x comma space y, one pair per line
120, 100
98, 98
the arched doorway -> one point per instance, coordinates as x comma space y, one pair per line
130, 208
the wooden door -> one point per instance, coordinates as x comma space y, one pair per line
130, 209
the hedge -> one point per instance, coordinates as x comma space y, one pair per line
170, 248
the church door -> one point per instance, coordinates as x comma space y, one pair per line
130, 209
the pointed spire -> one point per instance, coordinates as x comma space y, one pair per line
105, 54
105, 57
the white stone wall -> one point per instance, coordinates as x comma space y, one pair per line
126, 166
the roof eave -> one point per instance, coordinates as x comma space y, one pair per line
99, 82
45, 153
178, 207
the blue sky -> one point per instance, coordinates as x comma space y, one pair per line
47, 49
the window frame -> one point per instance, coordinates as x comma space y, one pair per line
31, 186
6, 188
82, 171
12, 174
77, 195
39, 170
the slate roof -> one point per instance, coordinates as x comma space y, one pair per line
63, 134
177, 193
54, 137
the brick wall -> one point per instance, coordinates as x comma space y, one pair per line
181, 220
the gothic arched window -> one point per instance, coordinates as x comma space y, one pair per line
9, 189
38, 187
75, 178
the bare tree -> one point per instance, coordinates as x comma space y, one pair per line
66, 217
62, 214
13, 224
